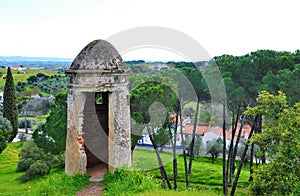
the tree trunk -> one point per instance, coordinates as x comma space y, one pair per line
225, 177
175, 172
232, 168
163, 172
242, 159
259, 130
193, 138
230, 153
184, 154
251, 162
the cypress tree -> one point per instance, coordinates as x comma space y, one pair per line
10, 109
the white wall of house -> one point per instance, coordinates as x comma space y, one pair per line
211, 135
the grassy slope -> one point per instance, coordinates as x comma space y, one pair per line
8, 174
55, 183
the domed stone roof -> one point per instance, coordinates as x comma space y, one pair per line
98, 55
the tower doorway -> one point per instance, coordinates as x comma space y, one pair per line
96, 131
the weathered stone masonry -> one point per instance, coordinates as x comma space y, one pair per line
98, 131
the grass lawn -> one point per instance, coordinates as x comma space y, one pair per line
205, 175
206, 178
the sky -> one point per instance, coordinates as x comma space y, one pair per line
61, 28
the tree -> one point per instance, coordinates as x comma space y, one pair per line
281, 139
162, 137
150, 102
197, 146
5, 130
214, 147
10, 109
51, 136
136, 130
201, 90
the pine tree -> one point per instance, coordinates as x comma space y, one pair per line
10, 110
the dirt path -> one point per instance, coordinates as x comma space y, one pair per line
91, 190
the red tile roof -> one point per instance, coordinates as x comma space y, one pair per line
201, 129
219, 130
188, 129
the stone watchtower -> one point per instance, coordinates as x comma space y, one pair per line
98, 135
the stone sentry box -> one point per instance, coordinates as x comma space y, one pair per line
98, 133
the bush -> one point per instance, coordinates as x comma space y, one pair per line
126, 182
28, 155
35, 162
22, 123
38, 168
24, 164
57, 160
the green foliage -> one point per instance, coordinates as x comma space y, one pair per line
32, 161
5, 130
198, 83
29, 155
22, 123
32, 79
127, 182
38, 168
35, 162
245, 76
51, 136
286, 80
162, 137
281, 139
149, 104
143, 96
10, 110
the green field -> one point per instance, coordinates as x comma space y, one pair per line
22, 76
206, 178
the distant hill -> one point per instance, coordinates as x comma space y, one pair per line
20, 60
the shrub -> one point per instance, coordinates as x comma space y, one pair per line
38, 168
57, 160
28, 155
35, 162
